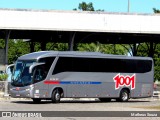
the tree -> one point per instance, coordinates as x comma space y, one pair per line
86, 7
103, 48
156, 10
16, 48
57, 46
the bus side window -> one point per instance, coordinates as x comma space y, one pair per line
144, 66
64, 64
40, 73
48, 63
80, 64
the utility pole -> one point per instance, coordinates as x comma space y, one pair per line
128, 6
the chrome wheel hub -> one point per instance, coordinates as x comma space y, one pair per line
124, 96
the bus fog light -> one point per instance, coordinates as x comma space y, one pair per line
36, 91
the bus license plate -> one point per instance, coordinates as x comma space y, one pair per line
17, 95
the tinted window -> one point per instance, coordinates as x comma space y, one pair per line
75, 64
48, 62
63, 65
39, 73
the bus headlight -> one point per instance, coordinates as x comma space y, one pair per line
11, 89
27, 89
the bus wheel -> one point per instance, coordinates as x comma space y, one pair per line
36, 100
56, 96
124, 96
105, 99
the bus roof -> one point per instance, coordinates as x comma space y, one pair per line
41, 54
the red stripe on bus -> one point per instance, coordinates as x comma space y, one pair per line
51, 82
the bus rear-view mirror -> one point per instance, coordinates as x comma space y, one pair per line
33, 66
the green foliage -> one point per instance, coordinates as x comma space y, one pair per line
157, 63
3, 77
2, 43
86, 7
37, 46
103, 48
157, 69
156, 10
57, 46
17, 48
143, 50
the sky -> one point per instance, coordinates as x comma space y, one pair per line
136, 6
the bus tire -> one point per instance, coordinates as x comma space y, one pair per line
36, 100
105, 99
124, 96
56, 96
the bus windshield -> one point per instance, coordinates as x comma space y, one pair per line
21, 75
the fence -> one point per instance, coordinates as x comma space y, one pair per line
2, 88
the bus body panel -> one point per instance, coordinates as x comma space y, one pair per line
81, 85
87, 84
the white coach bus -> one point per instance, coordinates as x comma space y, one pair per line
54, 75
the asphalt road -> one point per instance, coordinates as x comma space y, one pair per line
80, 105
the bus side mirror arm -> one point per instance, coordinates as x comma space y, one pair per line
9, 66
34, 65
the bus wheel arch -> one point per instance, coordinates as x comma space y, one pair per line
57, 94
124, 95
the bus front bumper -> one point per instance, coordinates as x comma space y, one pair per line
27, 93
